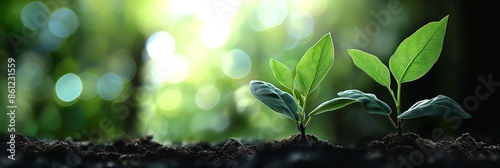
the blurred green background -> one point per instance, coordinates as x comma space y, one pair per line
179, 69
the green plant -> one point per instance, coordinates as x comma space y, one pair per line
413, 58
309, 72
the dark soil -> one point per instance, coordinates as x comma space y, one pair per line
410, 150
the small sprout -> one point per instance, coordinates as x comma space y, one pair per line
414, 57
310, 71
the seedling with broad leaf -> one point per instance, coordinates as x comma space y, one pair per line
309, 72
413, 58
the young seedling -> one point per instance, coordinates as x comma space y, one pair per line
413, 58
310, 71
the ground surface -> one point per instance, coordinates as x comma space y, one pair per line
392, 151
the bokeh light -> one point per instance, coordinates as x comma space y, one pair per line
109, 86
272, 13
49, 41
173, 70
181, 68
243, 98
35, 15
32, 75
167, 99
160, 46
236, 64
299, 25
122, 65
68, 87
207, 97
214, 35
180, 8
63, 22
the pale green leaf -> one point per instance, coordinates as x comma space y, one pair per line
416, 55
282, 73
314, 65
372, 66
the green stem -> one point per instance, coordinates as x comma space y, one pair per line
304, 106
393, 96
297, 102
302, 125
395, 102
398, 109
392, 122
302, 130
308, 119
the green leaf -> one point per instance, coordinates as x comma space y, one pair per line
416, 55
282, 73
438, 106
314, 65
372, 66
331, 105
279, 101
369, 101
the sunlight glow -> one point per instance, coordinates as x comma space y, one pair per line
173, 70
272, 13
168, 98
181, 8
160, 46
214, 35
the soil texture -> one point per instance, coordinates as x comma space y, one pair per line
408, 150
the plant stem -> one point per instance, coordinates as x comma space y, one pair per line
302, 130
400, 128
308, 119
392, 122
393, 96
302, 127
398, 110
395, 102
304, 105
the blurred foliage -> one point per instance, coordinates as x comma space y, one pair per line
179, 69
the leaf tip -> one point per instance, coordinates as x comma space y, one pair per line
329, 36
445, 20
446, 17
